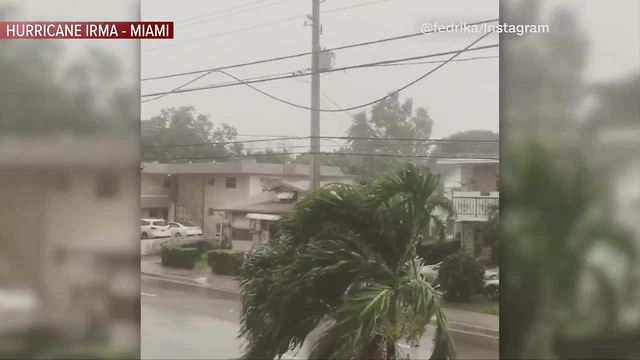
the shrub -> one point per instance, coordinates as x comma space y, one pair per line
433, 254
179, 257
460, 276
225, 262
203, 246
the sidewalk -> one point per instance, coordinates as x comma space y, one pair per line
151, 266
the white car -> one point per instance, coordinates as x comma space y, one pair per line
430, 272
154, 228
184, 229
491, 287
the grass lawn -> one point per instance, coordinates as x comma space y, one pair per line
478, 303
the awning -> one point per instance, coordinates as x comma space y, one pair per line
256, 216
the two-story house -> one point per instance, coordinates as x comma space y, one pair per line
473, 187
68, 233
198, 192
251, 222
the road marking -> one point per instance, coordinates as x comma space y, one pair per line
148, 294
474, 334
471, 326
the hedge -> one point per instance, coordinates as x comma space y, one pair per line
225, 262
180, 257
435, 253
460, 276
203, 246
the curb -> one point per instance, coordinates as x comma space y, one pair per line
188, 282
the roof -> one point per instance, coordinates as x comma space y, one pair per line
72, 151
239, 167
267, 201
302, 185
459, 161
263, 202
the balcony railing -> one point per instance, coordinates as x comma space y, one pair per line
473, 205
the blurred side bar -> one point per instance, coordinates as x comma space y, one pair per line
69, 189
570, 191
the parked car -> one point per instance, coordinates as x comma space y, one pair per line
154, 228
184, 229
430, 272
491, 286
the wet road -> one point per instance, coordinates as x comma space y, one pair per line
186, 322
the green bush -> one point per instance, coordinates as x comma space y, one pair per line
433, 254
225, 262
179, 257
460, 276
203, 246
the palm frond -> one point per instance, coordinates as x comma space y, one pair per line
355, 324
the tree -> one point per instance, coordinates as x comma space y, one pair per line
468, 148
181, 135
344, 260
389, 119
43, 95
270, 156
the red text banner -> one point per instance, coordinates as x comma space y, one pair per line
86, 30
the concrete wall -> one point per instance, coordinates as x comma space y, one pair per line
58, 223
154, 184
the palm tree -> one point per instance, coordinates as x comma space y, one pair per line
344, 260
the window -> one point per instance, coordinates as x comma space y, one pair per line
106, 185
230, 183
166, 182
144, 223
160, 223
173, 225
212, 181
211, 211
61, 182
241, 234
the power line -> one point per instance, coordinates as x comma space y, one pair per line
428, 140
299, 74
358, 66
221, 11
239, 12
216, 157
258, 26
280, 58
440, 61
226, 142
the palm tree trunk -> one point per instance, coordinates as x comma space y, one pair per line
373, 350
391, 350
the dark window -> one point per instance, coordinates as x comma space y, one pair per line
212, 181
107, 185
144, 222
230, 183
166, 182
62, 182
241, 234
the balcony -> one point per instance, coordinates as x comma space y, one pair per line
474, 205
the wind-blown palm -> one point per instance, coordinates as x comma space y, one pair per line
344, 259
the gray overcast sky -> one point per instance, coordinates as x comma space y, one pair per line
460, 96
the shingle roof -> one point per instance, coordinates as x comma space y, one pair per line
238, 167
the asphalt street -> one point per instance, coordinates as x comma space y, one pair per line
187, 322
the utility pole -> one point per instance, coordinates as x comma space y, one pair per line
315, 97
